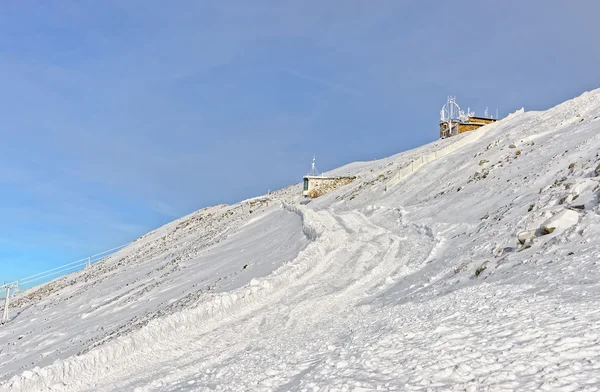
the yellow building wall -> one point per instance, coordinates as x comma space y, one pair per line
482, 120
462, 128
466, 127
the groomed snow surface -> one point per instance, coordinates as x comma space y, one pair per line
471, 263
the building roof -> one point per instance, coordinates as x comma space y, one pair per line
482, 118
472, 120
327, 177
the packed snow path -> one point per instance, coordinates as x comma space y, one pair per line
349, 258
479, 270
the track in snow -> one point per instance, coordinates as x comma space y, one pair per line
293, 321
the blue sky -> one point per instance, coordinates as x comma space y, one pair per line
119, 116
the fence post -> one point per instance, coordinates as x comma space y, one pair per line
89, 263
6, 303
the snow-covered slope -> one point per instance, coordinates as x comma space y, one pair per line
471, 263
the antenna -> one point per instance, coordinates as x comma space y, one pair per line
450, 110
313, 170
451, 113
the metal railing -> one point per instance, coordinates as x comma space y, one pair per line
14, 287
41, 277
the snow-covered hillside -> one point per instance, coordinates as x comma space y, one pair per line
471, 263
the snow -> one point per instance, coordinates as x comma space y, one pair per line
434, 270
562, 220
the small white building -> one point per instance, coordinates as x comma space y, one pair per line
316, 185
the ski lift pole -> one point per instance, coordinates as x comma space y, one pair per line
6, 304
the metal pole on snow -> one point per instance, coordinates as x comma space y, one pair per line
6, 304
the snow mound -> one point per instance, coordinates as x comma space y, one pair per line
560, 221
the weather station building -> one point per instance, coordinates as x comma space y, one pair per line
316, 185
454, 121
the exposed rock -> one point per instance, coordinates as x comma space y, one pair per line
319, 186
546, 230
525, 247
315, 193
566, 199
481, 268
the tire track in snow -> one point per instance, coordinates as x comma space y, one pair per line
349, 257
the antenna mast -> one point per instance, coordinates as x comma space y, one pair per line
451, 113
313, 170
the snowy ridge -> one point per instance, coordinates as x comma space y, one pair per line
311, 232
471, 263
154, 271
213, 306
